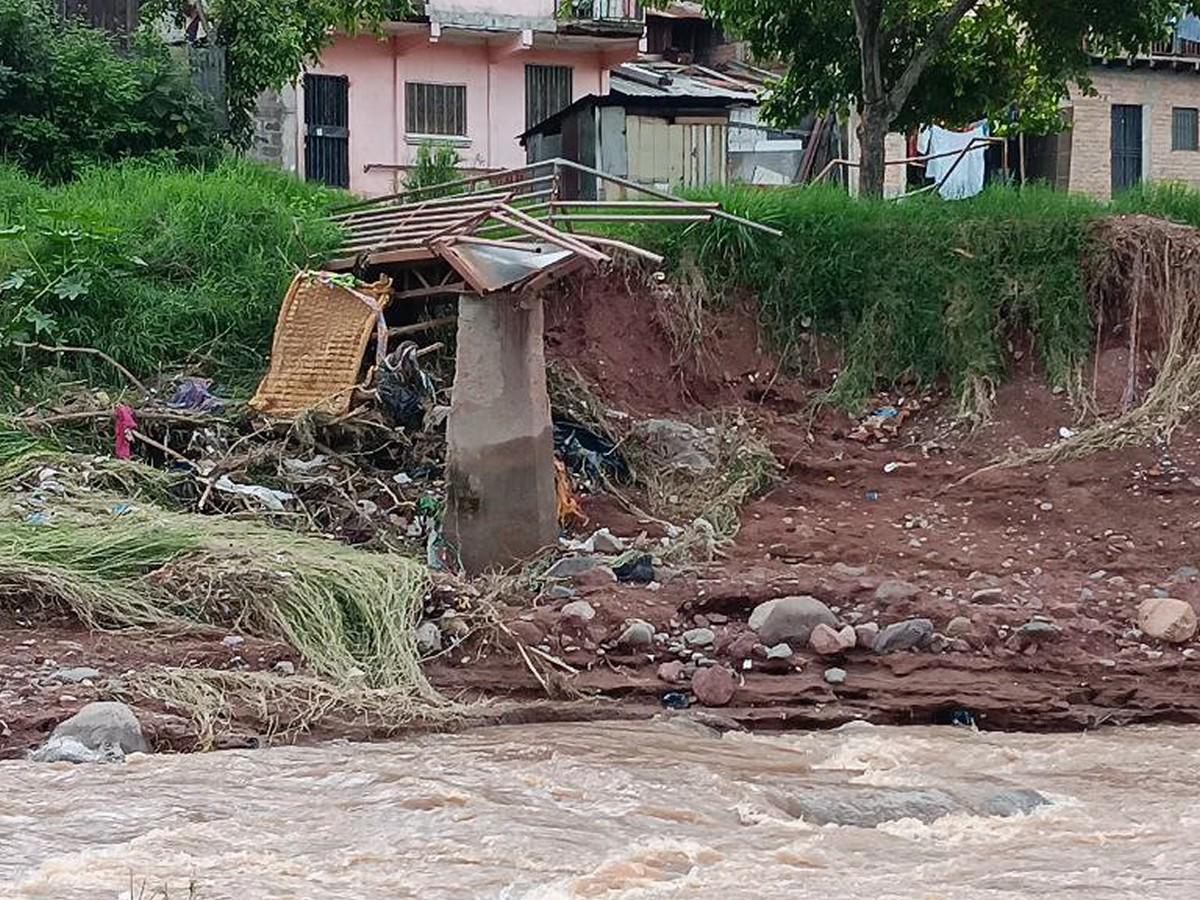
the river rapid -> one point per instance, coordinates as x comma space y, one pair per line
617, 810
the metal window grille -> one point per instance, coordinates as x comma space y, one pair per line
547, 91
327, 129
1185, 128
435, 108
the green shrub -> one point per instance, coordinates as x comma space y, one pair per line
156, 265
69, 98
437, 163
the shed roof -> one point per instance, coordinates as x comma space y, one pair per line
652, 83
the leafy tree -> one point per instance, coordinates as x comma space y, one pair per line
70, 98
269, 42
905, 61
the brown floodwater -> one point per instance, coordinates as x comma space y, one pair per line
663, 809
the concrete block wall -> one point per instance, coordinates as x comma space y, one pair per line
1158, 92
275, 135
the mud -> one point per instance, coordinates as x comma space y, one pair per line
1077, 545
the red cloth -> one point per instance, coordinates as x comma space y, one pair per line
125, 423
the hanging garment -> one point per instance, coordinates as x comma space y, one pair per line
959, 178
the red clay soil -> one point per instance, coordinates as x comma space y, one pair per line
1078, 544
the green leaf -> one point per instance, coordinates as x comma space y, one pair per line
42, 323
11, 230
72, 286
16, 280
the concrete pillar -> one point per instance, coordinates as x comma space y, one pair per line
501, 505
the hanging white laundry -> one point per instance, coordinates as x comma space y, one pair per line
965, 175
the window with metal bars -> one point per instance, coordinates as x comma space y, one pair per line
1185, 128
435, 108
547, 91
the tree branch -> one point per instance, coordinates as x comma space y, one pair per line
898, 95
868, 15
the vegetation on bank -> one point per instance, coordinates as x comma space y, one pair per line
70, 97
156, 265
916, 291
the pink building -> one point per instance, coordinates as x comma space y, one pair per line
471, 73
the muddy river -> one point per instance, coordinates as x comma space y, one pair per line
665, 809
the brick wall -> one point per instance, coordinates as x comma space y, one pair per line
1158, 92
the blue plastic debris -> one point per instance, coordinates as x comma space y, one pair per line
676, 700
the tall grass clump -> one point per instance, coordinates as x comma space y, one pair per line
156, 265
351, 614
918, 290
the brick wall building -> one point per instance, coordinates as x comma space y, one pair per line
1141, 125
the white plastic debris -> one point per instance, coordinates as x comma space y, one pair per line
268, 497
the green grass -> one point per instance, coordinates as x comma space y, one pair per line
921, 291
218, 246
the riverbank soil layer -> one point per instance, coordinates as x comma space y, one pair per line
1031, 576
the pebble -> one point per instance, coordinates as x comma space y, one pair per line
826, 641
1039, 630
895, 591
849, 571
959, 626
671, 672
699, 637
638, 633
987, 595
578, 610
429, 638
75, 675
780, 651
559, 592
835, 675
285, 667
233, 640
574, 566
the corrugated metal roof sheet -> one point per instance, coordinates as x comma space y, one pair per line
636, 81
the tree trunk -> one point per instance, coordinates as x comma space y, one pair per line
872, 134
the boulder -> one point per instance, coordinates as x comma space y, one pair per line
911, 634
637, 633
714, 686
678, 445
895, 591
828, 641
1167, 619
790, 619
865, 634
107, 730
